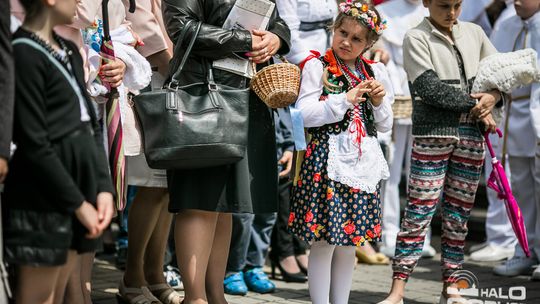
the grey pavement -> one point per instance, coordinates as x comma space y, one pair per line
370, 284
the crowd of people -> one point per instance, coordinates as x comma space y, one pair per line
385, 94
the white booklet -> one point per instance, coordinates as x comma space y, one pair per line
247, 15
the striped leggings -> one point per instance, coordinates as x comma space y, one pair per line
446, 165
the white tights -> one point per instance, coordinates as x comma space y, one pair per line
330, 272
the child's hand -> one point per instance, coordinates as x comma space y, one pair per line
113, 72
489, 123
486, 102
105, 209
377, 92
287, 161
354, 96
88, 217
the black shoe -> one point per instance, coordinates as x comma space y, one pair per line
302, 268
298, 277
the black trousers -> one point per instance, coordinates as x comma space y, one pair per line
284, 244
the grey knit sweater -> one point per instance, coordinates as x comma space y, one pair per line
439, 87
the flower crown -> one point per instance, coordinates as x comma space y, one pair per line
361, 11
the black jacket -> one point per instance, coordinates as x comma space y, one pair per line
251, 184
47, 112
213, 42
6, 81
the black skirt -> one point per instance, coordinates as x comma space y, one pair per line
249, 186
35, 231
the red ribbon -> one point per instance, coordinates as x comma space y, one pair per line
357, 128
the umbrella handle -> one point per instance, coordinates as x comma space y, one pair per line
488, 142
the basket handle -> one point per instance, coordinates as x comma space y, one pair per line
281, 57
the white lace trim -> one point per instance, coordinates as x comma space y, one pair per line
347, 166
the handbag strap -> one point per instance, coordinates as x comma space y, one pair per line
176, 75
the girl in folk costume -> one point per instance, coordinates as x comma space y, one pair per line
344, 102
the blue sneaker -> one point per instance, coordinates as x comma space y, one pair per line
234, 284
258, 281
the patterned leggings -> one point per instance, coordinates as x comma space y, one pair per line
440, 165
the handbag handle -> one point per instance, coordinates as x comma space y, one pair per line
176, 75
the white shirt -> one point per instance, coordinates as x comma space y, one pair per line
524, 120
346, 164
293, 12
475, 11
401, 15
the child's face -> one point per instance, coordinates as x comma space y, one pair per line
527, 8
350, 40
65, 10
444, 13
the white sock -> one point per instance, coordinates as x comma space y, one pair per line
319, 271
342, 274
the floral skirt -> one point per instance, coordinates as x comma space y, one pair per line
323, 209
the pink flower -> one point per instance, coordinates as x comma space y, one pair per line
377, 229
309, 217
349, 228
291, 218
317, 177
358, 240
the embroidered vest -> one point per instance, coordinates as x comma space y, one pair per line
366, 107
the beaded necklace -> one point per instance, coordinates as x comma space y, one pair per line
356, 128
62, 59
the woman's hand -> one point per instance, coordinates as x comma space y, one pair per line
377, 92
88, 216
354, 96
486, 102
489, 123
264, 45
113, 72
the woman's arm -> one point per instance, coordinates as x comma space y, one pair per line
315, 112
212, 42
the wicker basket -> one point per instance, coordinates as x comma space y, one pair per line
402, 107
277, 84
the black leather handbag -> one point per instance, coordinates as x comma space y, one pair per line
194, 126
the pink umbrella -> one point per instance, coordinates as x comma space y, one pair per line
499, 182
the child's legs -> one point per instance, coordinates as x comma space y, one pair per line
36, 284
320, 271
429, 162
342, 274
87, 263
460, 187
68, 286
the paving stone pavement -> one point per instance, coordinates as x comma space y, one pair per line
370, 284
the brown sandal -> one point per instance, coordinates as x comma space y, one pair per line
142, 295
165, 293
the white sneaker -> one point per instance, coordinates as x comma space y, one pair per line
492, 253
428, 251
477, 247
172, 275
536, 274
515, 266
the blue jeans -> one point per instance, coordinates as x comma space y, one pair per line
251, 234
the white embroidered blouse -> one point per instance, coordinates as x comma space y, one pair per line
345, 162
